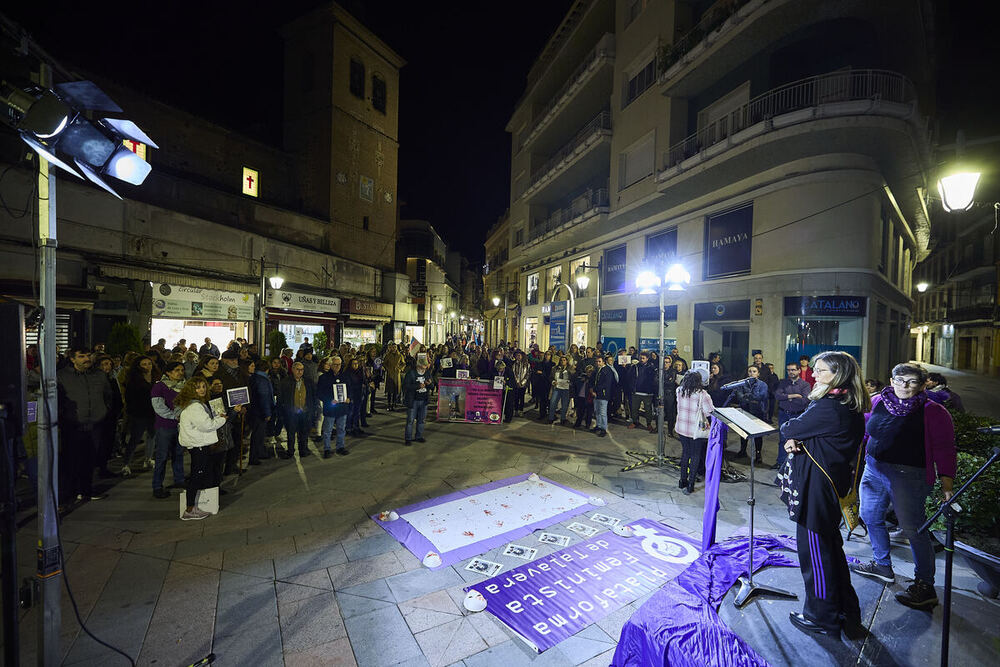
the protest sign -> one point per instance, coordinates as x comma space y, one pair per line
554, 597
461, 400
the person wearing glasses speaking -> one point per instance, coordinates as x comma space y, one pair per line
910, 441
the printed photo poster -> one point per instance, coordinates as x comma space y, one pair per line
473, 401
238, 396
462, 374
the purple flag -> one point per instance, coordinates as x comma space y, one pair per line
713, 473
554, 597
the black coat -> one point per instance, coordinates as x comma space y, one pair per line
286, 394
832, 434
604, 383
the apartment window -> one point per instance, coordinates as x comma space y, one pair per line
532, 292
632, 10
357, 79
639, 82
378, 93
518, 237
636, 162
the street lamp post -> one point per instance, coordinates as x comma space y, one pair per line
676, 279
276, 282
496, 304
583, 280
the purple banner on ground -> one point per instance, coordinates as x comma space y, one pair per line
553, 598
713, 474
464, 400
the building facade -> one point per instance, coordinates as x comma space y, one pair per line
955, 317
774, 148
188, 253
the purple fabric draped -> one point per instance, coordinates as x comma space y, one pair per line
713, 473
680, 624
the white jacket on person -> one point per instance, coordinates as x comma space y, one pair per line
198, 427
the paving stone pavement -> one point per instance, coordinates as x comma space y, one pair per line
293, 572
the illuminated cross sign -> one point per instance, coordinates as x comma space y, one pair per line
136, 147
251, 186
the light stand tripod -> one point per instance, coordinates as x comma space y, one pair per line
949, 508
747, 426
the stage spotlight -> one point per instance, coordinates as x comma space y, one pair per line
48, 155
127, 166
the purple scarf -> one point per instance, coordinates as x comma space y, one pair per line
901, 407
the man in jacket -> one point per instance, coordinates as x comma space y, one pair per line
260, 413
604, 387
645, 390
334, 411
415, 384
209, 348
792, 395
296, 398
84, 398
232, 378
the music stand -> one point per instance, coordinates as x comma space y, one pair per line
747, 426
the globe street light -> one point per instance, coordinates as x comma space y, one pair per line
496, 302
922, 287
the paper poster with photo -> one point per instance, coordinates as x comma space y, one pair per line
446, 362
422, 358
462, 374
484, 567
238, 396
339, 393
217, 406
498, 382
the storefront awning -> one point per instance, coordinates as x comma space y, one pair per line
67, 298
138, 273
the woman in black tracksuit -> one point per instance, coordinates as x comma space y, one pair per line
824, 441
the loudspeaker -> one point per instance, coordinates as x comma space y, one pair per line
13, 392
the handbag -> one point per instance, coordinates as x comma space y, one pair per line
850, 505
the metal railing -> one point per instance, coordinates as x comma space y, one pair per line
605, 48
845, 86
589, 200
713, 18
601, 121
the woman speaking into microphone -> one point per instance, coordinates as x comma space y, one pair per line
823, 444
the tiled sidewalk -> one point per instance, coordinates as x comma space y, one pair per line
292, 571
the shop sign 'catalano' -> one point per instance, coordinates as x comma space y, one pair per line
196, 303
277, 298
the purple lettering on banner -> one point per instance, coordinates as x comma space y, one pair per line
554, 597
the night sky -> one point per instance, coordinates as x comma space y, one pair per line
467, 64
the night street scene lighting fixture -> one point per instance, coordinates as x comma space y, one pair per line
276, 282
496, 302
922, 287
958, 190
53, 123
647, 282
677, 278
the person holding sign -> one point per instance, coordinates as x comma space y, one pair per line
823, 444
197, 432
415, 384
331, 391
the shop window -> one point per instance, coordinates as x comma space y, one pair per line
810, 335
580, 326
530, 332
576, 268
357, 81
532, 290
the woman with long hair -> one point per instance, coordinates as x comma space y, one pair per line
694, 405
197, 432
561, 379
139, 408
166, 422
541, 383
823, 445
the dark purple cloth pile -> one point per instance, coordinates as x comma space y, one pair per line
680, 625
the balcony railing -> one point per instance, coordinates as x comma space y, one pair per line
592, 200
605, 49
846, 86
968, 313
712, 19
600, 122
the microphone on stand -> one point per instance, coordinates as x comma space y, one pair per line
739, 383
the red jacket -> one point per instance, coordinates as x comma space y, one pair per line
939, 439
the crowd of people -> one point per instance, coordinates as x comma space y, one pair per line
165, 402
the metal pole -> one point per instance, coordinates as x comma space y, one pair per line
506, 291
600, 288
49, 569
659, 408
261, 343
